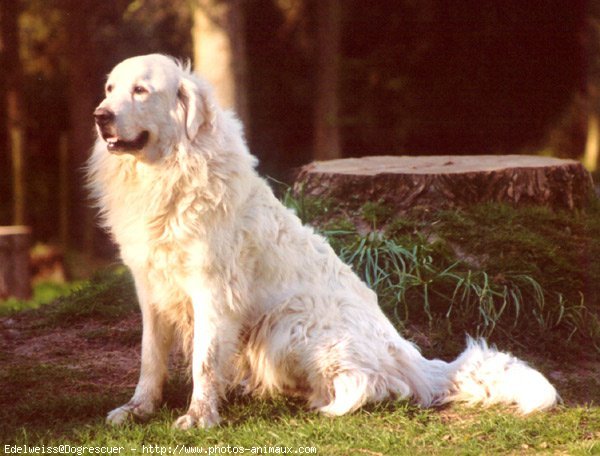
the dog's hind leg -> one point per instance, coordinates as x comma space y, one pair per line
349, 393
157, 337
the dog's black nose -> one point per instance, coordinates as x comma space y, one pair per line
103, 116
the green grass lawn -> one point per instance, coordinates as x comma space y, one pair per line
536, 273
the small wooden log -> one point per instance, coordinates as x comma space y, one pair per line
441, 182
14, 262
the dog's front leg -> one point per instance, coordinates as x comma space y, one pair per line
157, 335
207, 377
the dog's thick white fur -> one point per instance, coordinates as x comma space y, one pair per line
261, 300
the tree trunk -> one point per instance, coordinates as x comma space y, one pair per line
440, 182
592, 144
14, 262
326, 123
82, 72
63, 191
13, 75
220, 51
18, 169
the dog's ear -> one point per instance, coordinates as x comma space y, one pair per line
196, 105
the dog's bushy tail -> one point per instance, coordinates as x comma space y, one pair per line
483, 375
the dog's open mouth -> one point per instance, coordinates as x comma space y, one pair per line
116, 145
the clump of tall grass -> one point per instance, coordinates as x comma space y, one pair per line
416, 281
409, 281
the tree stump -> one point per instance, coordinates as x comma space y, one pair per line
14, 262
442, 182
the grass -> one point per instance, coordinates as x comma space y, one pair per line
75, 418
43, 293
108, 297
393, 430
527, 277
421, 280
558, 250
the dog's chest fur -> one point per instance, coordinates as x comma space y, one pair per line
176, 224
157, 222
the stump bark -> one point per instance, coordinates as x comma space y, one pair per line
14, 262
442, 182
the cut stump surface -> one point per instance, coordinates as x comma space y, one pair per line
442, 182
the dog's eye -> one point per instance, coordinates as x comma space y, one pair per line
109, 88
139, 90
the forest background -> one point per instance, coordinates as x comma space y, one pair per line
310, 79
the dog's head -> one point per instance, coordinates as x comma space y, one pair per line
151, 104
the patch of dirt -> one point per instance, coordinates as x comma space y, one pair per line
107, 356
91, 348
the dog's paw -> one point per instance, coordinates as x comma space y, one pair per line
191, 420
122, 414
184, 422
118, 416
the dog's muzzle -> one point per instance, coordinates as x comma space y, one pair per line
105, 119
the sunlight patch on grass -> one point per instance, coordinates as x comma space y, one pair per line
43, 293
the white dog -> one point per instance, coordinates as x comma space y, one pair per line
259, 299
